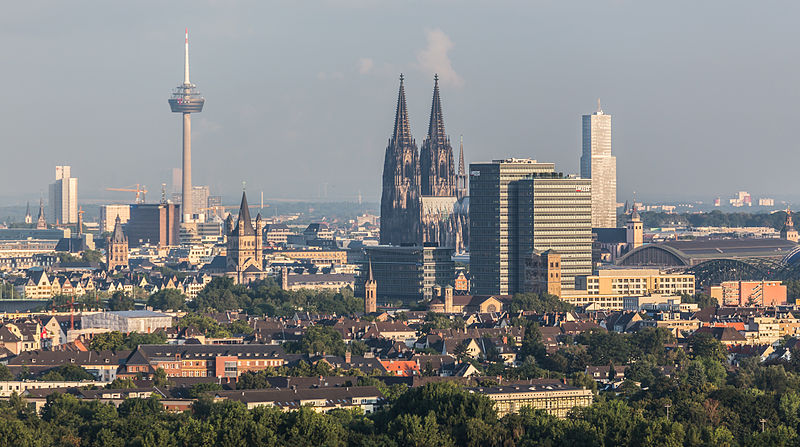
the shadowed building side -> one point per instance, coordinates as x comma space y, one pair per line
400, 204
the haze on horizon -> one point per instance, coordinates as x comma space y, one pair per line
300, 95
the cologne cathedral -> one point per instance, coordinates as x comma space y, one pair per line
424, 198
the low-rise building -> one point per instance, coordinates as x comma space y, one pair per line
126, 321
555, 398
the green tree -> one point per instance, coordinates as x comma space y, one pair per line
69, 372
120, 301
167, 299
539, 303
5, 373
319, 340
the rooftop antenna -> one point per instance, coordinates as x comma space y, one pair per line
599, 108
163, 193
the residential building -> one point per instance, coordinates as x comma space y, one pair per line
749, 293
600, 166
555, 398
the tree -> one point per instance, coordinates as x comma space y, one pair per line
116, 341
167, 299
92, 256
539, 303
198, 389
120, 301
705, 345
5, 373
612, 373
319, 340
68, 372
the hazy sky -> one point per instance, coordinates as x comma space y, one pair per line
704, 95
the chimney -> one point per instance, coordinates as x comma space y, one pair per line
347, 356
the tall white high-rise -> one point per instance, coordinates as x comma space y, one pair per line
598, 164
64, 197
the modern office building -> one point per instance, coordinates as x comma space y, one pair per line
155, 224
64, 197
598, 164
109, 214
518, 206
636, 282
408, 274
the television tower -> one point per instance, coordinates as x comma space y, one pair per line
186, 99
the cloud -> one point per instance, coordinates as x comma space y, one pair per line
365, 65
434, 58
325, 76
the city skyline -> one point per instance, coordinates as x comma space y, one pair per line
340, 99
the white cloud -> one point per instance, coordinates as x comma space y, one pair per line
365, 65
434, 58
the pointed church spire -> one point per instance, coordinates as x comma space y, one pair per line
244, 217
436, 125
369, 272
402, 130
461, 176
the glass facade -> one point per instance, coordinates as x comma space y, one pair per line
517, 206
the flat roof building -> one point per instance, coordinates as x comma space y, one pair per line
408, 274
518, 206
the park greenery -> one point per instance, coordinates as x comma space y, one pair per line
701, 404
267, 298
117, 341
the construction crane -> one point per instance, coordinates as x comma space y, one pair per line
140, 191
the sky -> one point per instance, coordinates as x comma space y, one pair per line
300, 95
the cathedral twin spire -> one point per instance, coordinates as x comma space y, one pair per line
437, 176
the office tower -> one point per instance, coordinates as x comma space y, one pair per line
156, 224
200, 199
177, 176
519, 207
408, 274
554, 213
64, 197
598, 164
400, 204
186, 100
109, 214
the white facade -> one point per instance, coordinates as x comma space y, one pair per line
64, 197
598, 164
109, 213
142, 321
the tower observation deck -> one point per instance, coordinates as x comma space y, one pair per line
186, 99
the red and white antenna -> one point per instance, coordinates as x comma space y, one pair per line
186, 59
